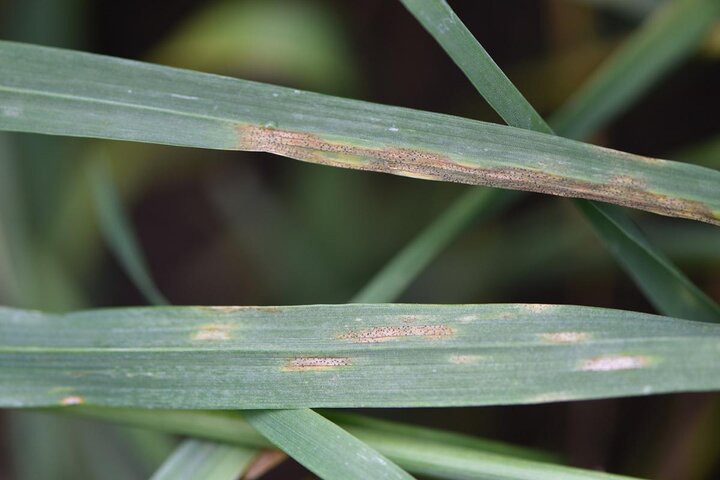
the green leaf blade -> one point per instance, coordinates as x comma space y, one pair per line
348, 356
451, 462
420, 450
666, 287
619, 80
378, 430
118, 233
397, 274
213, 461
200, 460
121, 99
453, 36
321, 446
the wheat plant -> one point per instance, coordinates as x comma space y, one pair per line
241, 383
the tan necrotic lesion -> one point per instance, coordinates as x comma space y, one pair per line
417, 163
385, 333
299, 364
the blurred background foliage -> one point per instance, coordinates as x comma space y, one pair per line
241, 228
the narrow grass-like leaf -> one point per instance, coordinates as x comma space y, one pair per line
230, 427
348, 356
126, 100
285, 427
706, 153
321, 446
150, 447
660, 280
34, 436
363, 426
446, 456
201, 460
420, 450
221, 426
192, 459
198, 459
14, 257
207, 460
620, 79
666, 287
397, 274
118, 233
441, 22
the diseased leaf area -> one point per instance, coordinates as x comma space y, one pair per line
654, 49
227, 392
120, 99
348, 356
625, 188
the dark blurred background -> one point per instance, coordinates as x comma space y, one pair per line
238, 228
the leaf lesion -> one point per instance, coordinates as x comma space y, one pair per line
626, 190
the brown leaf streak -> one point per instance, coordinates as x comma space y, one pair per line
304, 364
383, 334
622, 190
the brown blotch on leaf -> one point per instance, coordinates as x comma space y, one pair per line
301, 364
213, 332
627, 191
383, 334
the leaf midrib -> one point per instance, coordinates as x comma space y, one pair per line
100, 101
354, 349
